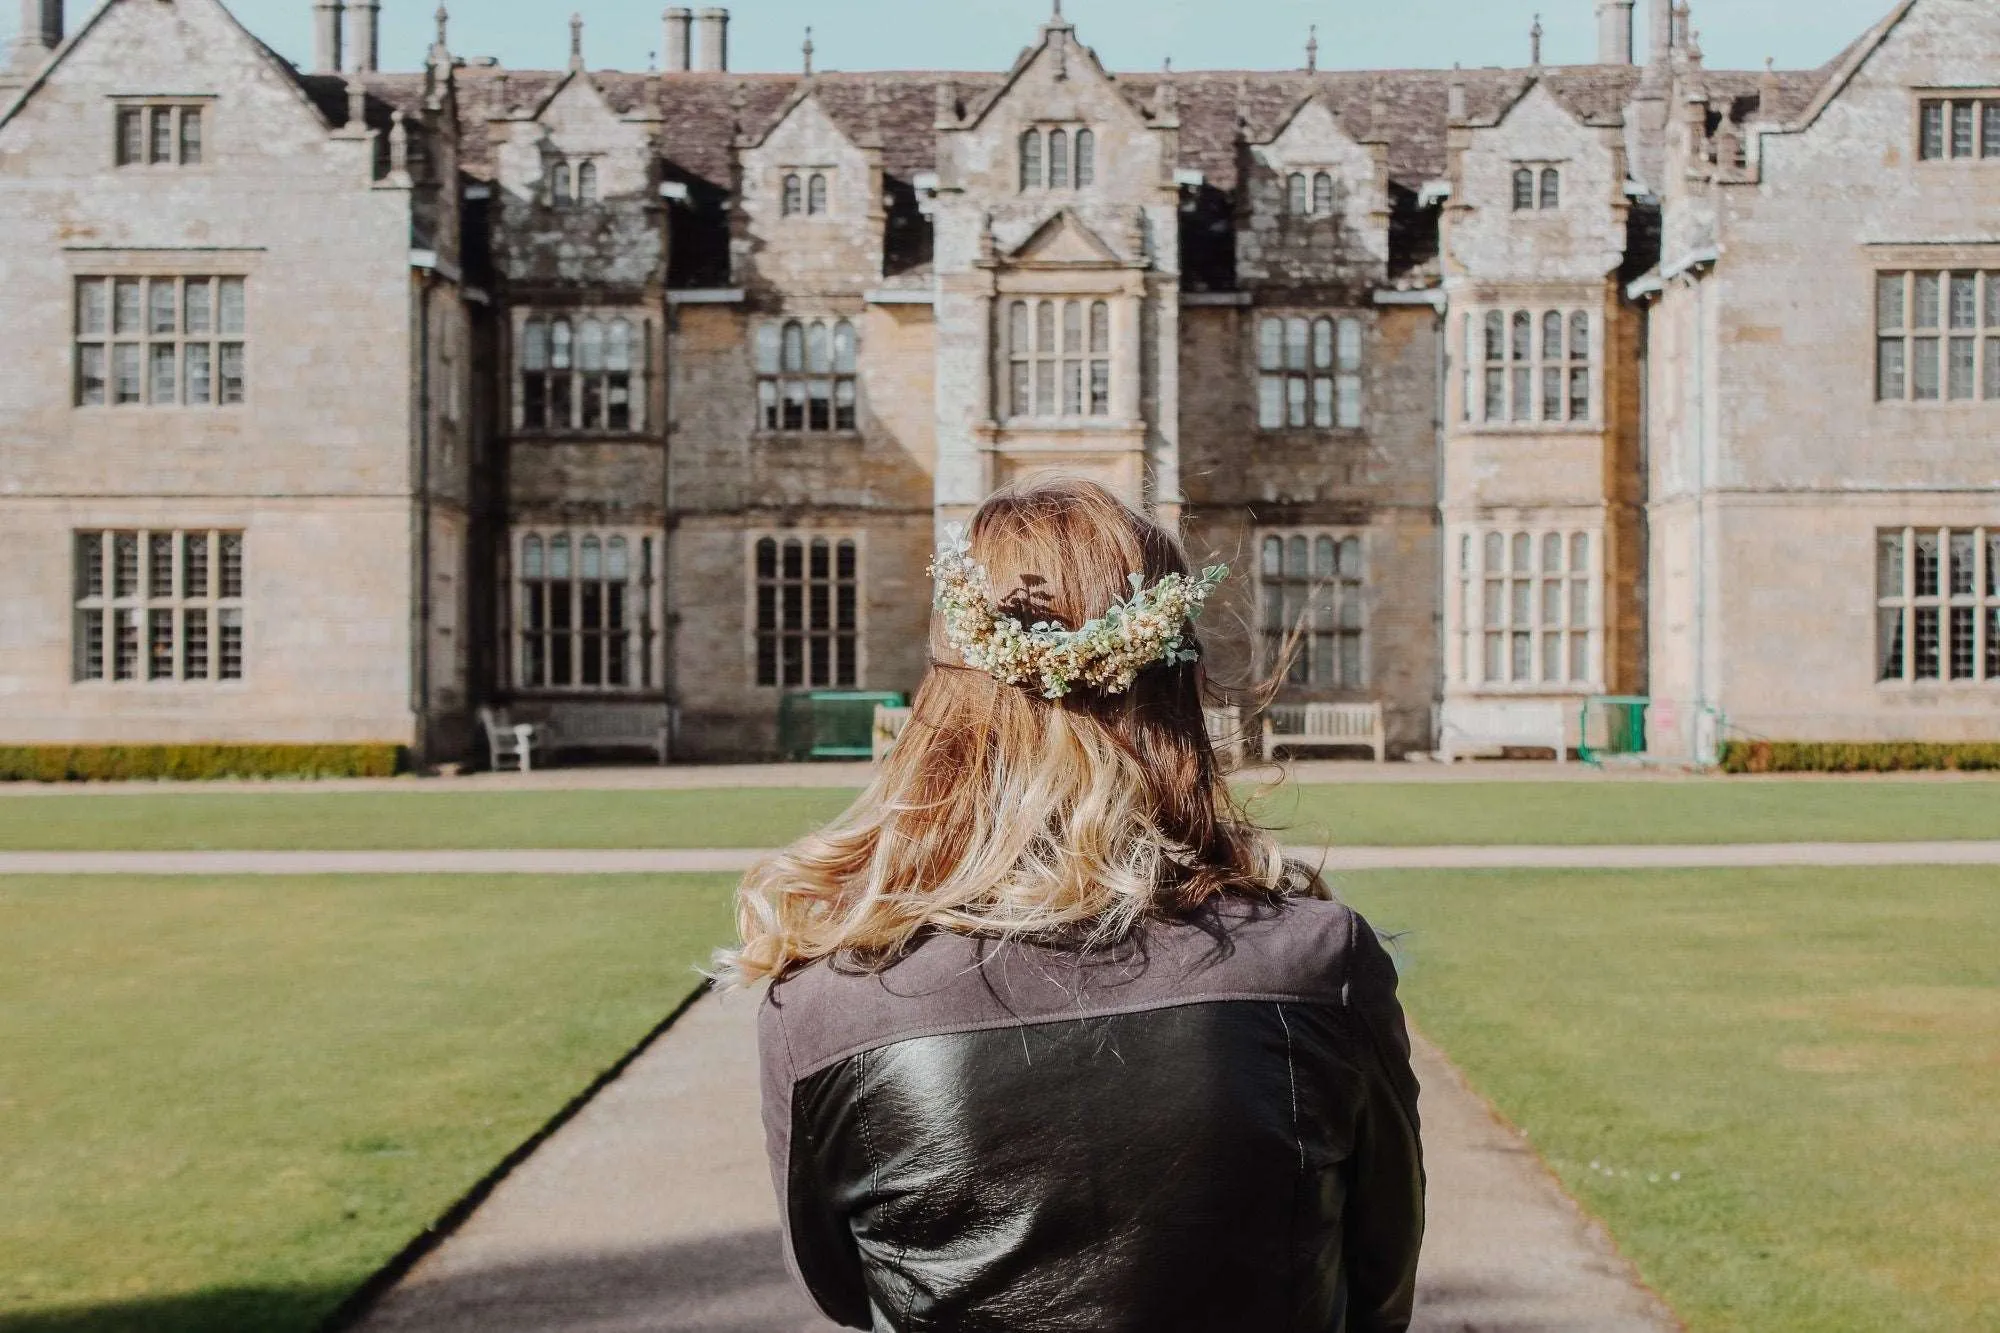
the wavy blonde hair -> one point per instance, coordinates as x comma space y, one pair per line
1003, 813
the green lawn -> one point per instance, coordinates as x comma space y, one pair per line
1722, 810
1815, 1053
224, 1103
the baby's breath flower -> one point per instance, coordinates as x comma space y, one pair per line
1106, 653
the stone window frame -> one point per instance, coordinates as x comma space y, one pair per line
1306, 377
1049, 149
800, 631
1956, 125
158, 606
1526, 614
1313, 192
575, 616
805, 192
161, 132
804, 361
540, 337
150, 351
1536, 187
1059, 354
1946, 320
571, 182
1516, 370
1937, 606
1321, 573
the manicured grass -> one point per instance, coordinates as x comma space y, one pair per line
1400, 814
1815, 1053
223, 1104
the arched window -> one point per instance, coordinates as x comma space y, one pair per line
806, 375
586, 183
1309, 373
795, 346
1031, 160
588, 624
1310, 609
819, 358
618, 359
1058, 160
559, 187
1086, 159
843, 348
816, 194
1297, 196
793, 202
590, 346
561, 343
618, 345
1579, 366
535, 345
1551, 188
1323, 193
1524, 188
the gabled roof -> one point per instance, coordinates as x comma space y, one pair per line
1064, 222
284, 69
976, 110
1840, 71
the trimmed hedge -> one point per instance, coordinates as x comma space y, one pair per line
1859, 756
195, 763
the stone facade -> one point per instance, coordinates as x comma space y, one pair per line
574, 389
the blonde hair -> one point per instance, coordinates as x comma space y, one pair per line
1003, 813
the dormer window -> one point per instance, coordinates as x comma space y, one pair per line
572, 183
803, 193
159, 134
1058, 158
1958, 128
1536, 187
1311, 195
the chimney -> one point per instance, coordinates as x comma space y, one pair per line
326, 36
679, 46
1660, 38
41, 32
1614, 32
364, 36
712, 39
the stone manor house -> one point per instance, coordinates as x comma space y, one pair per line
341, 402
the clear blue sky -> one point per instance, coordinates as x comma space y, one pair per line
1128, 34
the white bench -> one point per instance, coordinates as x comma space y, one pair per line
1226, 734
1484, 726
588, 725
1325, 726
889, 725
509, 742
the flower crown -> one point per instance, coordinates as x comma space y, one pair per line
1107, 653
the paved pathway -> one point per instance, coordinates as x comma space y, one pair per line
730, 860
652, 1210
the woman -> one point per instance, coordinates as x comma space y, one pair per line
1056, 1038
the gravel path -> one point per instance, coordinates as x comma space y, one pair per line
730, 860
652, 1210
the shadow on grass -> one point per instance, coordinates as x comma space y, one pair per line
221, 1310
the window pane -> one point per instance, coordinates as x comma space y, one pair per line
1992, 368
1295, 401
1579, 603
1045, 326
1496, 336
125, 645
1494, 602
1931, 139
161, 315
1927, 564
230, 566
1496, 395
843, 405
1579, 553
1086, 158
197, 308
1522, 552
1964, 551
1890, 368
1579, 336
1960, 368
590, 345
1964, 298
1889, 290
161, 373
1350, 344
1552, 393
1072, 326
1521, 389
1551, 188
1552, 335
1496, 550
1579, 394
162, 137
194, 565
1924, 354
586, 183
160, 644
1073, 388
1522, 658
125, 564
1100, 328
1889, 564
1524, 188
1350, 402
131, 136
1989, 138
1271, 344
1929, 635
843, 347
1045, 388
1271, 402
1521, 348
125, 382
191, 137
1298, 337
1962, 131
1323, 402
198, 383
230, 381
1930, 300
230, 305
1493, 662
194, 643
1520, 603
1322, 193
229, 660
93, 307
1552, 657
1031, 159
1552, 552
1058, 160
1297, 195
1322, 344
125, 306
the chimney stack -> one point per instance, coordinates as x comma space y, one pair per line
680, 47
712, 34
364, 36
41, 32
1614, 32
326, 36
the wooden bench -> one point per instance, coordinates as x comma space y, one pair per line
1325, 726
889, 724
1226, 734
1476, 726
588, 725
509, 743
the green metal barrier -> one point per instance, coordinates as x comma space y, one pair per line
830, 724
1612, 724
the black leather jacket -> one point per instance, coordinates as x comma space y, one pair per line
1211, 1128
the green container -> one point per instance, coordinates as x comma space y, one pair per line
1613, 725
831, 724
